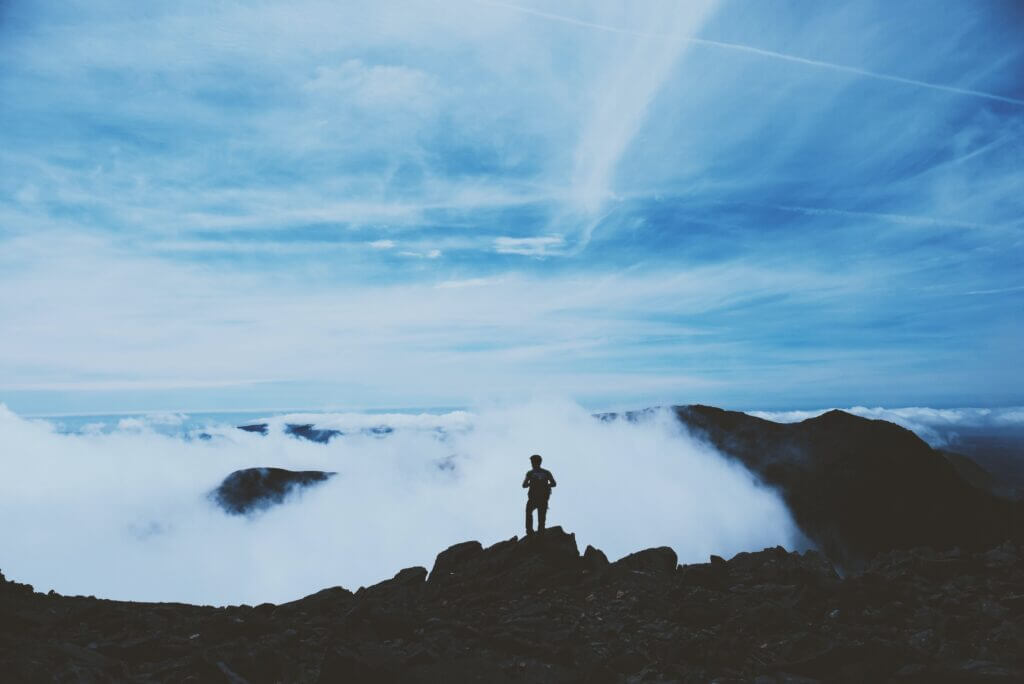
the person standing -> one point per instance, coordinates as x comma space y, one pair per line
539, 481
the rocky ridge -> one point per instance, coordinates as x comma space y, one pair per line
858, 487
536, 610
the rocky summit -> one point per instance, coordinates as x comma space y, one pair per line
537, 610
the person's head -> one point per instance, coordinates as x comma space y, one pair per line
535, 460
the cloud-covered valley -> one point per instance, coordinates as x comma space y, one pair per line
123, 511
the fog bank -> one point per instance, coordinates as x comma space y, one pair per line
124, 514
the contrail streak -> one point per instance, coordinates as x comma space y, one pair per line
1000, 290
907, 219
759, 51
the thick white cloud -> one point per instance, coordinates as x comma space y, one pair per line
123, 514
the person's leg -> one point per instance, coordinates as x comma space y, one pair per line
530, 505
542, 514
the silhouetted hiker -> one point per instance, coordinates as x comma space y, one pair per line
540, 482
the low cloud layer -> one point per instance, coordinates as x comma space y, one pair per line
124, 513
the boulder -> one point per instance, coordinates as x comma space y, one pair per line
594, 559
306, 431
660, 559
449, 561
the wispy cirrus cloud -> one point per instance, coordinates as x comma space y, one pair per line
531, 246
822, 204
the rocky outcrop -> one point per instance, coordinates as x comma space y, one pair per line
310, 432
261, 428
534, 610
301, 430
858, 487
253, 489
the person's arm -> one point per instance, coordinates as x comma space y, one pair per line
551, 479
526, 481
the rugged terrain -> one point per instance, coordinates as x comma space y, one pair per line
536, 610
932, 590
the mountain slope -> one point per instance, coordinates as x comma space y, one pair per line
536, 610
858, 487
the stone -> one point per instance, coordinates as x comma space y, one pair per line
661, 559
448, 561
594, 559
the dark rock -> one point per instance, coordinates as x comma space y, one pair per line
555, 546
256, 427
529, 564
14, 587
594, 559
661, 559
535, 610
709, 575
449, 561
874, 660
230, 675
253, 489
310, 432
411, 576
313, 434
341, 664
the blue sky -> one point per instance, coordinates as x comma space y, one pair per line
425, 203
